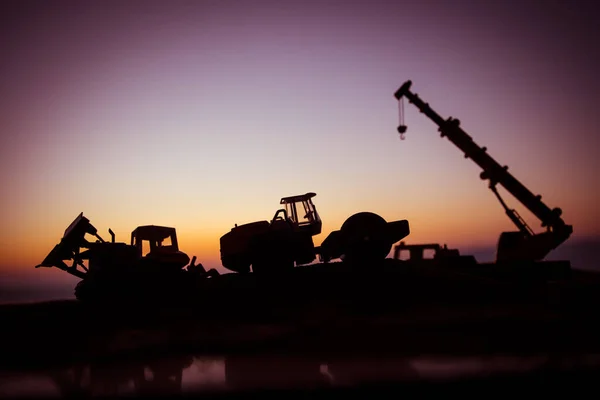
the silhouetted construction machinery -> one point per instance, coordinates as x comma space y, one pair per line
416, 252
521, 245
327, 320
286, 240
151, 265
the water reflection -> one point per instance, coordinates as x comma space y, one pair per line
154, 377
274, 372
292, 372
180, 375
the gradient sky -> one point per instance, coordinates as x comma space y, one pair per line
202, 114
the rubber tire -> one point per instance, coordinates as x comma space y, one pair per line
271, 254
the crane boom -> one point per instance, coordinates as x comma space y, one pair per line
531, 246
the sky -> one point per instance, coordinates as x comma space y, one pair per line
203, 114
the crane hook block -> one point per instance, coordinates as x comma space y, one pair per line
402, 129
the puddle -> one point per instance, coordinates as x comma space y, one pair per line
196, 374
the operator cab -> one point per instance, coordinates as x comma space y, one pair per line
302, 213
159, 243
417, 252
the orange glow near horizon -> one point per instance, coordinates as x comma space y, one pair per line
205, 115
436, 219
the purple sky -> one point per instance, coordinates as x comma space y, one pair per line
202, 114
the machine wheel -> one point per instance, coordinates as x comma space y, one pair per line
365, 238
271, 254
90, 291
82, 291
509, 245
304, 250
237, 263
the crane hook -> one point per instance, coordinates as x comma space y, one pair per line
401, 126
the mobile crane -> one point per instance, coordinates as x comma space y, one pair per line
521, 245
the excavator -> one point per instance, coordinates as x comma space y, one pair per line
522, 245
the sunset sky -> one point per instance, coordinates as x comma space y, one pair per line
203, 114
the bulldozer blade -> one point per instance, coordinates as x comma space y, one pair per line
68, 248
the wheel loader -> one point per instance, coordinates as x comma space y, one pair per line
286, 240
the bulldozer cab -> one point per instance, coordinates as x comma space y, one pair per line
151, 239
302, 213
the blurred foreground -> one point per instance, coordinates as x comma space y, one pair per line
415, 327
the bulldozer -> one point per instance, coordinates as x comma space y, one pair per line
150, 267
287, 239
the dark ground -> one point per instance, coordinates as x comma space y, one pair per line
321, 317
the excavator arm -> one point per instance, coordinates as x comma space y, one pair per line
521, 245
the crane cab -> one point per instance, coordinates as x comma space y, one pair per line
302, 213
